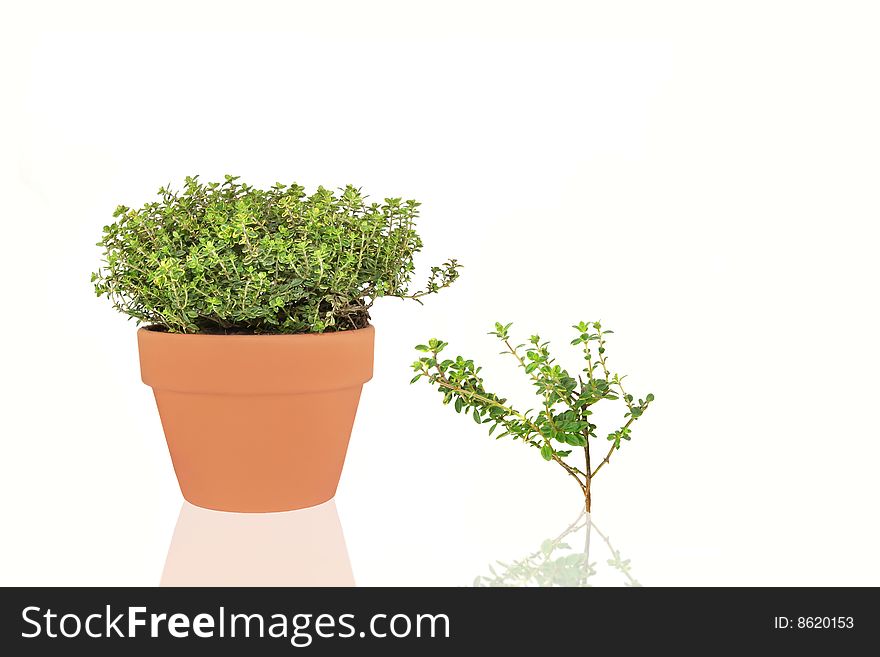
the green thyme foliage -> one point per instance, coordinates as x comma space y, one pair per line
230, 258
561, 423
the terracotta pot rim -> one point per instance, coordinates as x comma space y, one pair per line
250, 336
256, 364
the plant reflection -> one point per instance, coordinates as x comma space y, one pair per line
557, 563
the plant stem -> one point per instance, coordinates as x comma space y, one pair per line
611, 451
604, 461
570, 471
601, 351
589, 475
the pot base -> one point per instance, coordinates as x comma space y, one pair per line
258, 453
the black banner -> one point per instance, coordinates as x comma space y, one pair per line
109, 621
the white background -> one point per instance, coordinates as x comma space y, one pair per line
702, 176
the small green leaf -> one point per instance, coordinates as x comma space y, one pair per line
547, 452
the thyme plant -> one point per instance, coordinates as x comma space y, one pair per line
230, 258
561, 425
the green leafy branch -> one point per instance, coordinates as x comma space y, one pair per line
562, 423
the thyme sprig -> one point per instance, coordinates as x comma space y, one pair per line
561, 423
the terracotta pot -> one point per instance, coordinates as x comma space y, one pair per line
257, 423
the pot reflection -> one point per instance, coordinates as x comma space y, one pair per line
294, 548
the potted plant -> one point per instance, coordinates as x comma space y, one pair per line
257, 338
